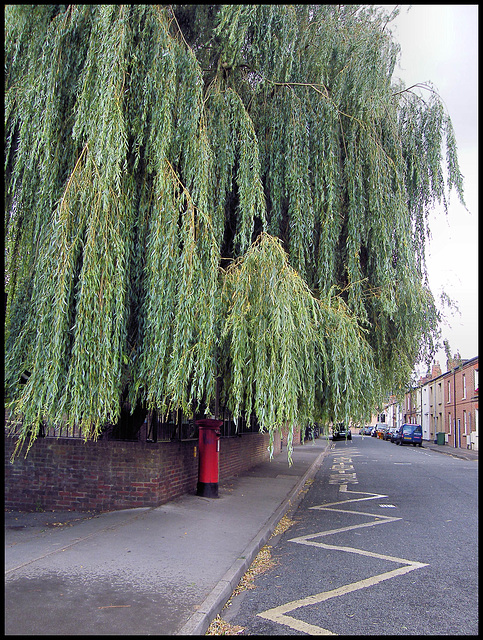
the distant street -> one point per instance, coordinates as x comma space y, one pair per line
384, 543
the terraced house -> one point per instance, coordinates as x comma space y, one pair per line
445, 404
460, 385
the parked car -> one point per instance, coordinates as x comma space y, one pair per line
388, 434
380, 431
341, 432
410, 434
367, 430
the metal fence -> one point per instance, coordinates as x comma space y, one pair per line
13, 428
155, 428
177, 426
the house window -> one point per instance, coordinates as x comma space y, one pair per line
464, 386
449, 390
450, 424
465, 424
475, 372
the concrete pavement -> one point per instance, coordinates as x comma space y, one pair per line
464, 454
150, 571
164, 570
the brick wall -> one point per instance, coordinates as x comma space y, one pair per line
461, 403
70, 474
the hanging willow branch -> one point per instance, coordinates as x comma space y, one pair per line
288, 348
214, 192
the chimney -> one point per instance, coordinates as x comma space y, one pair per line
454, 362
436, 370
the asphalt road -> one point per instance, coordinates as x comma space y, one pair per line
384, 543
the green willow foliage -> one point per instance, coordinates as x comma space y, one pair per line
203, 195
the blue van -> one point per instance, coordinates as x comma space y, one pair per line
410, 434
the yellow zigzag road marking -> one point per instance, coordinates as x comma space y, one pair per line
279, 614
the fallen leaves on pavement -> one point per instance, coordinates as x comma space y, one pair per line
262, 563
219, 627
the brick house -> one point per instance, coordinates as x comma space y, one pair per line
461, 404
444, 403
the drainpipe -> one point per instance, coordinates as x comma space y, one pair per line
421, 407
456, 444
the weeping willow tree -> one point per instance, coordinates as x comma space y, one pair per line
228, 194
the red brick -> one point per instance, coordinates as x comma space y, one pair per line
71, 473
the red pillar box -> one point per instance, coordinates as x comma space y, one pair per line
209, 443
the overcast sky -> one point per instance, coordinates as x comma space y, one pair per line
440, 43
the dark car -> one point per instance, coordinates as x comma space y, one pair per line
341, 432
388, 434
410, 434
